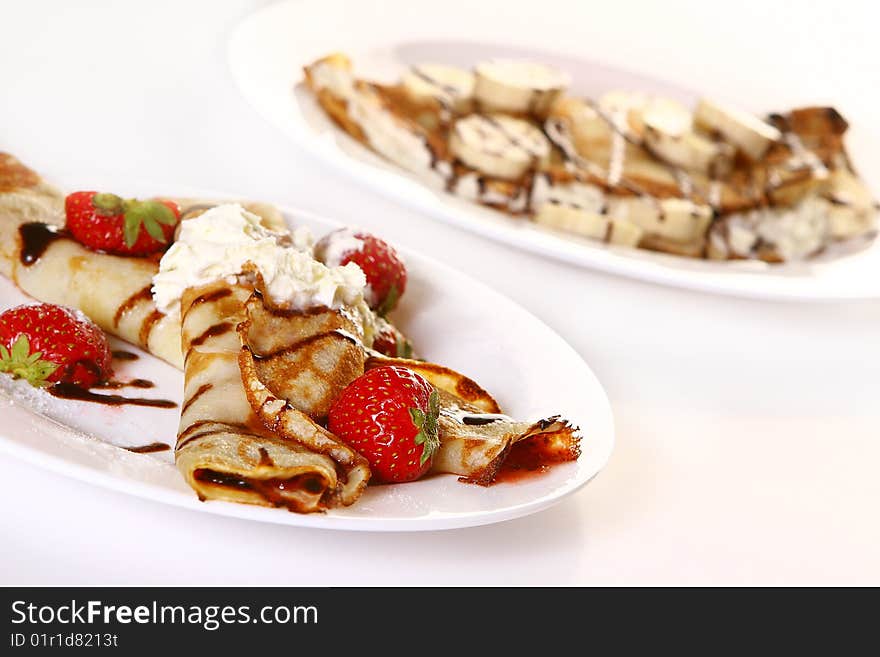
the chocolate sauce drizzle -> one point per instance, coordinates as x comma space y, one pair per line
213, 331
36, 237
198, 393
148, 449
211, 296
335, 334
139, 297
133, 383
71, 391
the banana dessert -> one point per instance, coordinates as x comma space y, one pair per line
626, 168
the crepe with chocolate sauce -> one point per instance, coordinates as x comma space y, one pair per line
42, 259
476, 439
295, 363
225, 448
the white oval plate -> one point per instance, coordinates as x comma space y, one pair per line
268, 50
452, 318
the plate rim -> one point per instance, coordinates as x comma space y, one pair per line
410, 193
43, 425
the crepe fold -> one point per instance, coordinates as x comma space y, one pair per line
229, 448
39, 256
477, 441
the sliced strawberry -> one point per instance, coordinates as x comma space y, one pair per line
45, 343
390, 415
109, 223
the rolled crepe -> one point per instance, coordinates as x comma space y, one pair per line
39, 256
294, 364
225, 450
476, 439
306, 357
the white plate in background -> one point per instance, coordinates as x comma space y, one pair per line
451, 318
269, 48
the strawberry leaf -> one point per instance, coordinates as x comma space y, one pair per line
427, 425
155, 230
130, 230
404, 348
107, 204
22, 364
389, 303
150, 215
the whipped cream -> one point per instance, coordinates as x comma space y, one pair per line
219, 243
333, 247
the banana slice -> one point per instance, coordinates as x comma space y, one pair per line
577, 194
588, 224
624, 108
667, 130
452, 87
518, 87
499, 146
675, 219
578, 122
745, 131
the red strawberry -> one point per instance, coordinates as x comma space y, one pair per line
389, 415
45, 343
385, 271
391, 342
106, 222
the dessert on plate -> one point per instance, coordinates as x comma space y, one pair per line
299, 390
626, 168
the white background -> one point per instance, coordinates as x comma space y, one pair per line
748, 441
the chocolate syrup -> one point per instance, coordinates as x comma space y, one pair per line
334, 333
147, 326
211, 296
479, 419
36, 237
120, 354
147, 449
198, 393
70, 391
221, 479
138, 297
133, 383
217, 329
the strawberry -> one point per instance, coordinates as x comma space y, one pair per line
45, 343
106, 222
390, 416
389, 341
385, 271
